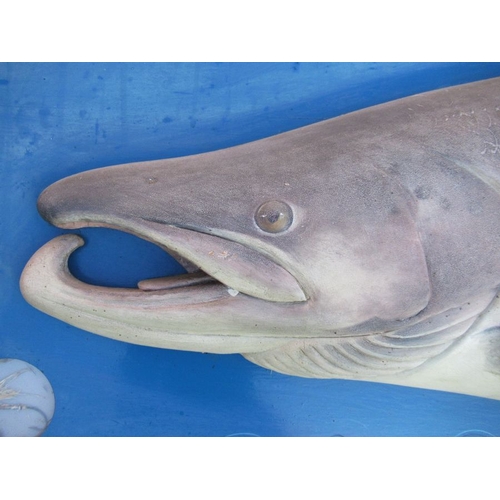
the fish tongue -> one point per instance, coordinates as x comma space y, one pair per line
169, 282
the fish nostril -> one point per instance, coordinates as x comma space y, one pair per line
45, 205
55, 201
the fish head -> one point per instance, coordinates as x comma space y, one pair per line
287, 237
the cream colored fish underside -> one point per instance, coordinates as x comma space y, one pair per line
462, 358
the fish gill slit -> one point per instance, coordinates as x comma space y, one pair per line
342, 350
404, 335
300, 362
327, 361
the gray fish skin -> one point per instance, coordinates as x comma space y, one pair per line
389, 270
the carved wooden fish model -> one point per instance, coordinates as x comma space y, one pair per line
364, 247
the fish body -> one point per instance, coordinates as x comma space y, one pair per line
361, 247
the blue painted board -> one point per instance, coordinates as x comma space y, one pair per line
60, 119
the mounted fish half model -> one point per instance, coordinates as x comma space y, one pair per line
364, 247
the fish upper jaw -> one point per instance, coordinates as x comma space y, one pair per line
86, 200
239, 267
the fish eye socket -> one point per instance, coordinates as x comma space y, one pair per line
274, 217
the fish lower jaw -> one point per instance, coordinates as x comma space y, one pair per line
156, 316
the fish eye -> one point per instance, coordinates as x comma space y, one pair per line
274, 216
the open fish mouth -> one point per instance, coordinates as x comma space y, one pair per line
47, 278
187, 312
213, 262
